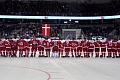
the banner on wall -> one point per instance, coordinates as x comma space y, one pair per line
45, 29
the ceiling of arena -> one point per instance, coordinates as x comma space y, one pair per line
82, 1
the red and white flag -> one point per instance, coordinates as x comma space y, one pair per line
45, 29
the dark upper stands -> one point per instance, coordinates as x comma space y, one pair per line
57, 8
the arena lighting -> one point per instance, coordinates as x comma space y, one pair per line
60, 17
65, 22
70, 20
76, 21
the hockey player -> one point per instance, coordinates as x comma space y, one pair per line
2, 47
41, 47
114, 48
34, 42
85, 47
26, 47
118, 47
61, 47
14, 47
20, 46
67, 47
79, 47
73, 45
97, 47
7, 47
47, 46
90, 47
55, 52
109, 48
103, 44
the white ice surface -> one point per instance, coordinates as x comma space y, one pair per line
59, 68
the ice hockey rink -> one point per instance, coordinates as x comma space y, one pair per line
35, 68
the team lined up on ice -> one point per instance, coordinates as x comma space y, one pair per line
75, 48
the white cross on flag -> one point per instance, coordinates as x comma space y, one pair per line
45, 29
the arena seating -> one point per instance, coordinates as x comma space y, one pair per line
55, 8
58, 8
26, 31
97, 31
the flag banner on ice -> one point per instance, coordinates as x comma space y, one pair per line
45, 29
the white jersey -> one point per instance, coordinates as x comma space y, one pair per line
67, 41
92, 41
1, 42
118, 41
40, 39
55, 42
79, 41
102, 40
15, 39
27, 40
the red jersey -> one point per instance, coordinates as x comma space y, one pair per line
85, 44
40, 43
60, 45
7, 44
91, 44
118, 44
114, 46
109, 44
54, 42
14, 45
2, 42
55, 45
20, 43
46, 44
26, 43
97, 44
11, 42
73, 44
34, 43
103, 43
80, 43
66, 44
